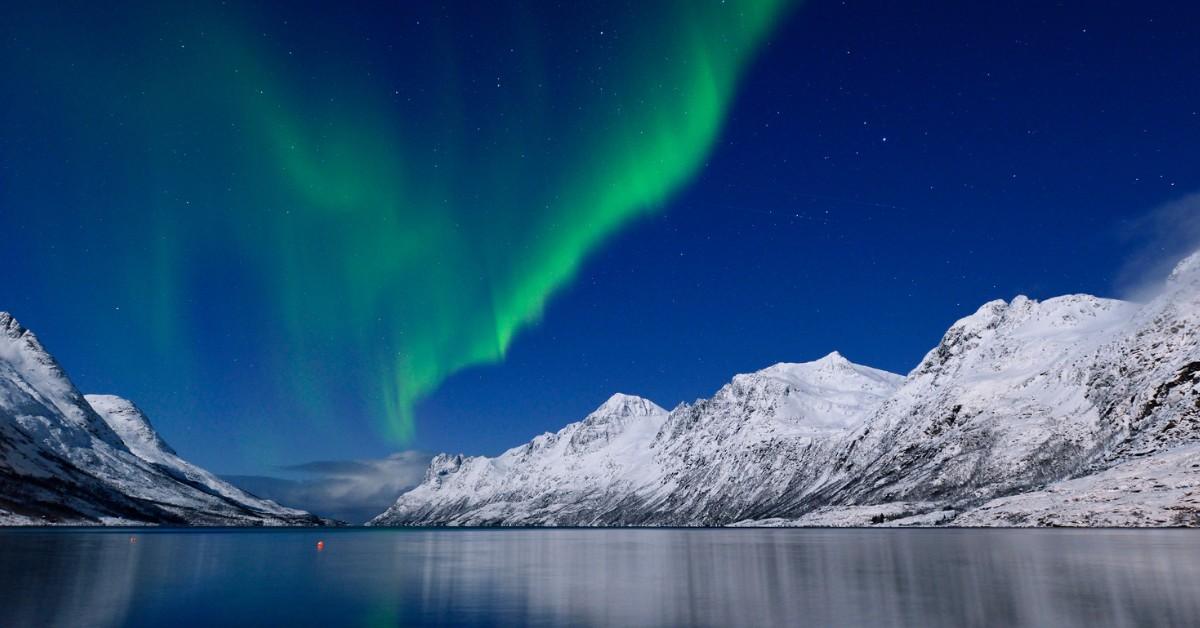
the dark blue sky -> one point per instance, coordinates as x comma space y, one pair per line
885, 168
1023, 145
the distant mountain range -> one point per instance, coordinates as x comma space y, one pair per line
67, 458
1075, 411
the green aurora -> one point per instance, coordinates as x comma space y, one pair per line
414, 203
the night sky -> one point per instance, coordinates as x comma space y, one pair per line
312, 232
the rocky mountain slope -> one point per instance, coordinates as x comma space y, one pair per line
1020, 396
1059, 412
70, 459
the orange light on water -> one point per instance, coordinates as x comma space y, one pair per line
320, 545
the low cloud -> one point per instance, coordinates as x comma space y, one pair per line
350, 490
1161, 238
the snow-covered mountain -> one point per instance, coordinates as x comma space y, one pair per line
1075, 410
1002, 403
67, 458
632, 463
1023, 396
571, 476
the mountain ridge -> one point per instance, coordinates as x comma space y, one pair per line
67, 458
1061, 398
631, 477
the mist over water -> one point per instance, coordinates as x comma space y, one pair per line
600, 577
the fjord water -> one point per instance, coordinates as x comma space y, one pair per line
666, 577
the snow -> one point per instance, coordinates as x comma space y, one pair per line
9, 519
852, 516
1188, 269
1075, 410
1022, 414
134, 428
1162, 490
631, 462
62, 462
603, 453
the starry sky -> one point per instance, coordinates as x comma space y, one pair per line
308, 231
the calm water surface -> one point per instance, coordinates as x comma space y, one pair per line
600, 577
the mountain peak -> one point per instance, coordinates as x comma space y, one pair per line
628, 405
833, 358
130, 423
832, 365
99, 455
11, 328
26, 360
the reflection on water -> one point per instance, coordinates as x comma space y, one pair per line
600, 577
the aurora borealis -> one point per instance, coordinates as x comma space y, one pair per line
314, 230
422, 198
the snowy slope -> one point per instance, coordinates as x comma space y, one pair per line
1146, 382
1024, 394
568, 477
61, 461
631, 462
1075, 410
999, 405
134, 428
742, 452
1159, 490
